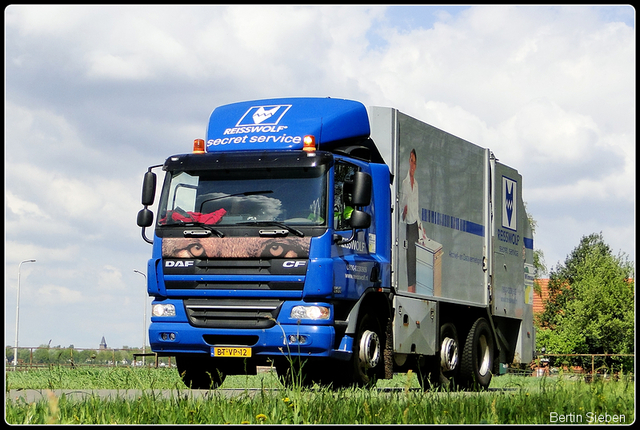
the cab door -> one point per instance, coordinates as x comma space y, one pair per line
355, 269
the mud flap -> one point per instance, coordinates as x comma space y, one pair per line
388, 351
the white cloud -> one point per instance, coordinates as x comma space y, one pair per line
493, 60
542, 132
52, 295
45, 20
55, 252
106, 65
24, 208
110, 278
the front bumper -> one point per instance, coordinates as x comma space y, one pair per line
278, 341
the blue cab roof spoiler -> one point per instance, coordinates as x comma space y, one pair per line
282, 123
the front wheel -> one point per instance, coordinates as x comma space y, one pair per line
477, 356
368, 347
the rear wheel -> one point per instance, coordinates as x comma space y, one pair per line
199, 372
449, 352
477, 356
443, 369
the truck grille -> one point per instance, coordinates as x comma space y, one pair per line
240, 285
241, 274
232, 313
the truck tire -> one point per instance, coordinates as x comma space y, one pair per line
477, 356
368, 350
199, 373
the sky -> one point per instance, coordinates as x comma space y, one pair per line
96, 94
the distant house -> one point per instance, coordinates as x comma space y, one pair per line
103, 343
538, 299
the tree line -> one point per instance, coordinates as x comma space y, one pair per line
590, 308
70, 356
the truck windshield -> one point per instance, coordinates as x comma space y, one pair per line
293, 196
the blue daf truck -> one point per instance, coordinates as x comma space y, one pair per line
338, 243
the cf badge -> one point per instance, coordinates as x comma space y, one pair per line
289, 264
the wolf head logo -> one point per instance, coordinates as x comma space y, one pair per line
262, 114
509, 200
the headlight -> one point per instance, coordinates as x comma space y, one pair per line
310, 312
164, 310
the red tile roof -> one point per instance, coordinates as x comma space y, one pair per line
538, 299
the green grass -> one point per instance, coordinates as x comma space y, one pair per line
87, 378
515, 400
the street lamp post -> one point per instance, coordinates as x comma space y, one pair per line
144, 321
15, 348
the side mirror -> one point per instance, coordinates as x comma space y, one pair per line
145, 218
361, 189
360, 196
148, 188
360, 219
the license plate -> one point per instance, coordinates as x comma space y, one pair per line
227, 351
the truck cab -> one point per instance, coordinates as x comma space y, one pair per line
267, 239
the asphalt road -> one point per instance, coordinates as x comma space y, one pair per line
30, 396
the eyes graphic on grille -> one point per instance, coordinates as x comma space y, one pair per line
241, 247
279, 249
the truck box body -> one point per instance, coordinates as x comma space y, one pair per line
475, 244
265, 247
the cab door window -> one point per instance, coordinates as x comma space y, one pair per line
343, 187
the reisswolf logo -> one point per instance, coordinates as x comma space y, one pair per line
263, 115
509, 189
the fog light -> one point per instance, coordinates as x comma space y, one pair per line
297, 339
310, 312
168, 336
164, 310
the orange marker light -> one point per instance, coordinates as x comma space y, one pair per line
198, 146
309, 144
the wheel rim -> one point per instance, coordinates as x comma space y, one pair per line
484, 355
449, 354
369, 350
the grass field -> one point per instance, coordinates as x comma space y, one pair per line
510, 400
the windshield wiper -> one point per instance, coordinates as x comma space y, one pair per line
274, 223
211, 229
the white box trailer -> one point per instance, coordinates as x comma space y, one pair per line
462, 243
